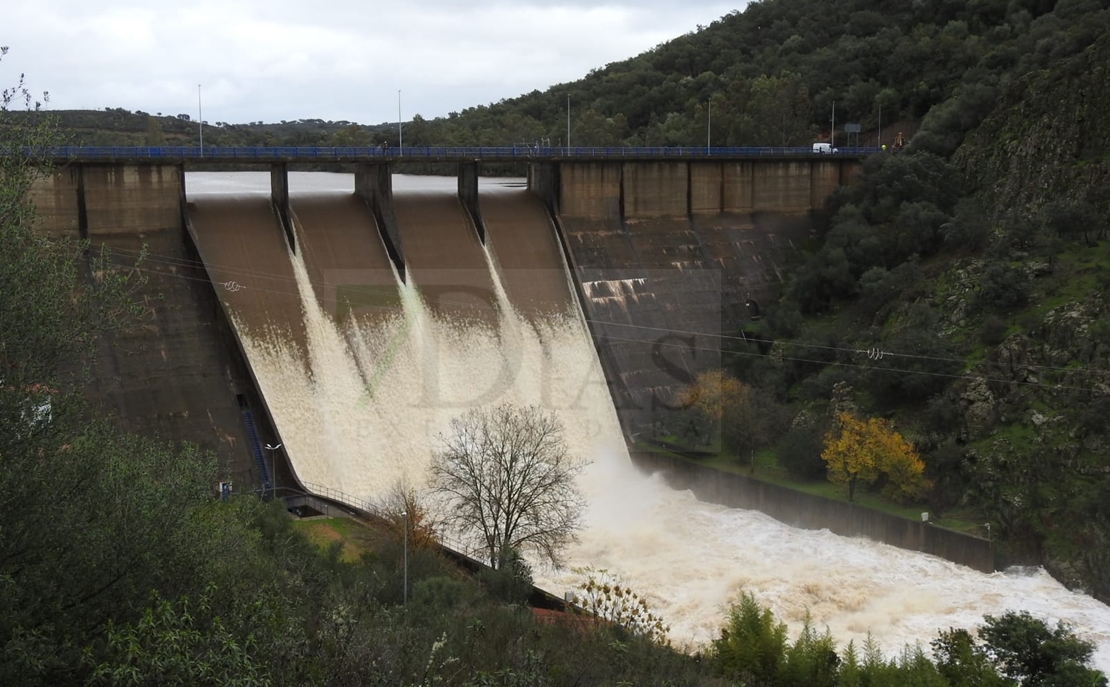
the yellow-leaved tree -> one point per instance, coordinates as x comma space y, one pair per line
860, 450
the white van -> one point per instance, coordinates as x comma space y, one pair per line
822, 148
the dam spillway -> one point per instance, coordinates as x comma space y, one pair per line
361, 370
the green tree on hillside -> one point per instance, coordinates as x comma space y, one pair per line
154, 134
1016, 648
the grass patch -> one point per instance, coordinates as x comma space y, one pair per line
355, 537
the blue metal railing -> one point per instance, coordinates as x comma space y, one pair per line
524, 153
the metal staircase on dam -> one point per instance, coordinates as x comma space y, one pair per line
256, 448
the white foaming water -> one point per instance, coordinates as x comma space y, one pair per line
691, 558
378, 394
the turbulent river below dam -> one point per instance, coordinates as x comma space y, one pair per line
362, 371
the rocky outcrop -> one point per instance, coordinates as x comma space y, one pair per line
979, 409
1013, 360
1076, 333
842, 401
1049, 139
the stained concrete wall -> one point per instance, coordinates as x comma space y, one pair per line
669, 254
655, 189
175, 372
374, 184
55, 198
824, 179
131, 198
543, 180
815, 512
468, 197
738, 186
781, 186
279, 197
590, 190
706, 188
658, 291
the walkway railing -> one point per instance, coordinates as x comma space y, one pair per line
340, 497
421, 153
444, 539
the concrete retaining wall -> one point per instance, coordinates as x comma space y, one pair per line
807, 511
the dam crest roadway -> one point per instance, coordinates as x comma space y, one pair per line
195, 154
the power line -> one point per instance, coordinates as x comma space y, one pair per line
873, 353
864, 367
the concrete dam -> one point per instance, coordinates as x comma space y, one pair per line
351, 318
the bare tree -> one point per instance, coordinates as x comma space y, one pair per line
508, 482
404, 508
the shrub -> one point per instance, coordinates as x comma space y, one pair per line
943, 414
969, 229
511, 582
993, 331
1002, 288
800, 453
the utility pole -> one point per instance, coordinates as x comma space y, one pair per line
200, 120
405, 598
880, 139
400, 137
832, 137
568, 122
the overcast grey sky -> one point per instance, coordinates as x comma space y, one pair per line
271, 60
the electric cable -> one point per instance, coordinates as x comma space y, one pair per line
874, 353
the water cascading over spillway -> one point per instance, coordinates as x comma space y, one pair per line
361, 372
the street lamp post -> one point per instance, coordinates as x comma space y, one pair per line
405, 597
400, 133
200, 120
273, 469
568, 122
709, 127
